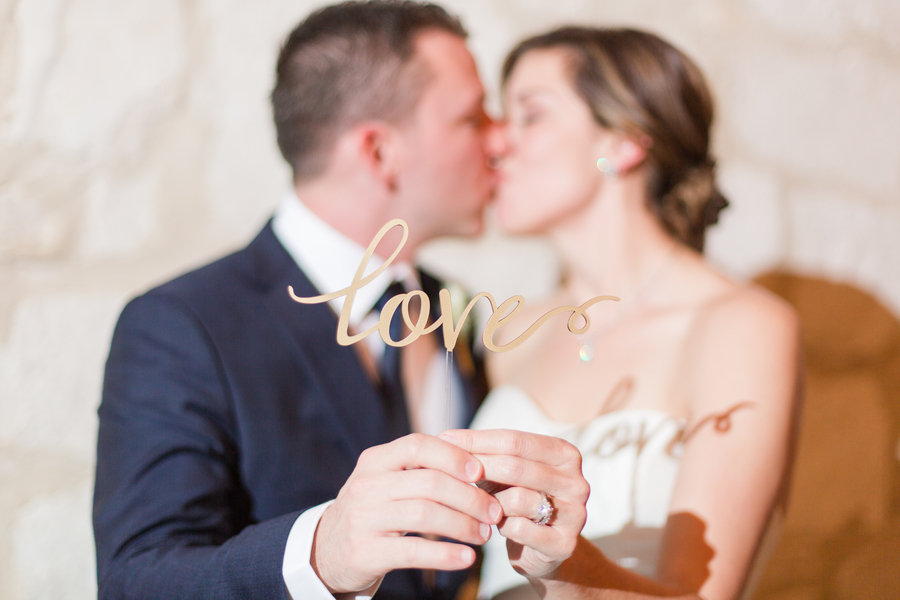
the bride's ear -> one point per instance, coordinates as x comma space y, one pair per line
630, 153
620, 153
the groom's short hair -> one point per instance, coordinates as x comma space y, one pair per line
345, 64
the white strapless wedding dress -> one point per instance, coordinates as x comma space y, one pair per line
630, 459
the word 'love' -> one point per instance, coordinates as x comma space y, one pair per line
419, 326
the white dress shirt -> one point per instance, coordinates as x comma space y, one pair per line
330, 261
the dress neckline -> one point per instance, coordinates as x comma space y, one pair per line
621, 413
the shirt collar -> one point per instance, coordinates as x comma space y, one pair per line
330, 259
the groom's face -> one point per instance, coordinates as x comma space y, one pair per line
448, 142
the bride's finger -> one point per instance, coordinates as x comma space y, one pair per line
526, 504
548, 542
529, 446
520, 502
513, 471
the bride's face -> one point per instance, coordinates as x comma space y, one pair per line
548, 174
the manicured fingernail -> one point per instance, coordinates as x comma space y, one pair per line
485, 530
466, 554
473, 470
495, 511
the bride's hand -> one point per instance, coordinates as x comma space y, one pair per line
530, 469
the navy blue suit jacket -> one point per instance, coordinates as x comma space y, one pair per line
227, 410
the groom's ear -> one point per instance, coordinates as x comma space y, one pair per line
377, 150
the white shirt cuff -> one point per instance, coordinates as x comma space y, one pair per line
299, 577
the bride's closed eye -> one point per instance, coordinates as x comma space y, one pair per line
524, 118
530, 118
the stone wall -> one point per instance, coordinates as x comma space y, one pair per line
135, 143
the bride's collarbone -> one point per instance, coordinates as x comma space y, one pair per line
569, 389
633, 365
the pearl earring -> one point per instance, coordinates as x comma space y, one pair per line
607, 167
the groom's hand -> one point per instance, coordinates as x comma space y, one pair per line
415, 484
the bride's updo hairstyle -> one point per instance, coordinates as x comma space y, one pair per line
640, 85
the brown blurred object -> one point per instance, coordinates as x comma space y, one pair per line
841, 538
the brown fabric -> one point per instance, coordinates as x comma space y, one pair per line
842, 533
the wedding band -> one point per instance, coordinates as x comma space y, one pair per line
545, 511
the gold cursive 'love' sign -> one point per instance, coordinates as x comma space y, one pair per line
420, 326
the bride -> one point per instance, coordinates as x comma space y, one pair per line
682, 396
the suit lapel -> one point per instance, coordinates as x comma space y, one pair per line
349, 394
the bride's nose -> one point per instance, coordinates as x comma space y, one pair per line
497, 143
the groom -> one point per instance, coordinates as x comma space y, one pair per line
243, 453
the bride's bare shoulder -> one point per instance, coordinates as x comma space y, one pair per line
743, 308
742, 338
724, 307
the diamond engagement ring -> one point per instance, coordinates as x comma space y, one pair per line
545, 511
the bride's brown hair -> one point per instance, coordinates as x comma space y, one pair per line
637, 83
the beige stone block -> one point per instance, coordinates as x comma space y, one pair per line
492, 34
239, 50
51, 369
119, 216
9, 60
879, 19
831, 21
33, 40
39, 204
52, 543
751, 235
847, 239
816, 20
242, 173
820, 114
496, 26
24, 476
831, 232
104, 63
245, 179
